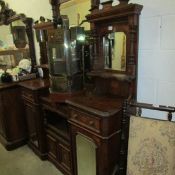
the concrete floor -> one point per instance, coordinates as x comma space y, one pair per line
23, 161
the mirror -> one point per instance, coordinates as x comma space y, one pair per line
17, 51
114, 51
13, 47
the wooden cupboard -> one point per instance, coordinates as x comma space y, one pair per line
13, 131
31, 92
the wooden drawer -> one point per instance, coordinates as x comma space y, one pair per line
87, 120
28, 95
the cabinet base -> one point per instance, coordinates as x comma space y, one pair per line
42, 156
58, 166
13, 144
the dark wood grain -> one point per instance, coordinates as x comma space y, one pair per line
32, 90
13, 125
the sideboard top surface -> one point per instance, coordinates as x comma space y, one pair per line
98, 105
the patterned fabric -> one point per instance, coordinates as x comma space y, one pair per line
151, 148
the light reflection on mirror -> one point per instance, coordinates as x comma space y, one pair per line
114, 51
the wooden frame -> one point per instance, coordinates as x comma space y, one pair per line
7, 16
127, 16
123, 18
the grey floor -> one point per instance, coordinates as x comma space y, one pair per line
23, 161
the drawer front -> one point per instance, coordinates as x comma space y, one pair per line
87, 120
28, 95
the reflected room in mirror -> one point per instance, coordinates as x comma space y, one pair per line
114, 51
17, 51
14, 50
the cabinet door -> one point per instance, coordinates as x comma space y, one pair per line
31, 115
52, 147
2, 131
86, 155
13, 116
64, 156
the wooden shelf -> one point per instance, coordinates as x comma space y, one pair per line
57, 124
60, 129
117, 76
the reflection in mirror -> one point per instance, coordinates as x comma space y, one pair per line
19, 33
114, 51
13, 60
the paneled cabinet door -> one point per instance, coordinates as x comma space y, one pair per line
2, 132
31, 115
64, 156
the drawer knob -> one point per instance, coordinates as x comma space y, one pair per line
75, 116
91, 123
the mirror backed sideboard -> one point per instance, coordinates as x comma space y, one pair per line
79, 129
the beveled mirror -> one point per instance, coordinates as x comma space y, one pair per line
114, 51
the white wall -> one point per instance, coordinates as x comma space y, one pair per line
156, 80
32, 8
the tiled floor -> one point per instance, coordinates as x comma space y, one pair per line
23, 161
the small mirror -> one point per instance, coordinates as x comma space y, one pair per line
114, 51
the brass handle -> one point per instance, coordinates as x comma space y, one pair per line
75, 116
91, 123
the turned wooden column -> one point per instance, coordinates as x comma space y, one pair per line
29, 31
56, 12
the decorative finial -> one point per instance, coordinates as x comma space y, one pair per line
95, 4
123, 1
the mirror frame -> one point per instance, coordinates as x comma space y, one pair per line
103, 32
123, 18
7, 16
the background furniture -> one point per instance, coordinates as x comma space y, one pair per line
8, 16
12, 121
12, 117
41, 29
32, 90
